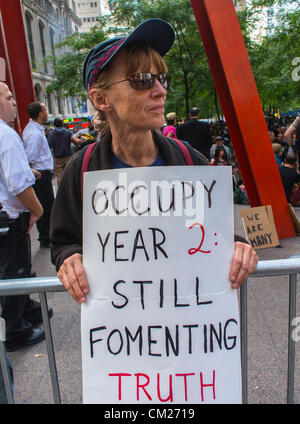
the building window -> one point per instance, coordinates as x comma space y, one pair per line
51, 34
42, 40
38, 92
28, 20
49, 103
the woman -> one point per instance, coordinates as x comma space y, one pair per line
219, 158
127, 82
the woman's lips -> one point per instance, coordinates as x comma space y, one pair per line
157, 109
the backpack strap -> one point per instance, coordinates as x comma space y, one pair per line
85, 163
182, 148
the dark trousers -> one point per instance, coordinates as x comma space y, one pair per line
15, 262
44, 191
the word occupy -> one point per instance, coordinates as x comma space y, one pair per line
162, 198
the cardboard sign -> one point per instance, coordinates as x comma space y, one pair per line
295, 220
161, 323
259, 227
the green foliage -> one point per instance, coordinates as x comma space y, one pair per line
68, 63
271, 61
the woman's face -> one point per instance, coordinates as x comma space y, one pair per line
136, 109
221, 153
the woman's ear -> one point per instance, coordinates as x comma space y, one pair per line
99, 99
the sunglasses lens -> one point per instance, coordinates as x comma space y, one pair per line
164, 80
144, 81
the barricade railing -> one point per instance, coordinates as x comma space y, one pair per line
42, 285
272, 268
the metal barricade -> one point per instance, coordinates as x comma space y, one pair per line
42, 285
290, 267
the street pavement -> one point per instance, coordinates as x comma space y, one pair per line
267, 337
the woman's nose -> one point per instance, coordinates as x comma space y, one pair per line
159, 89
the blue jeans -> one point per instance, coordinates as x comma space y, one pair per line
3, 397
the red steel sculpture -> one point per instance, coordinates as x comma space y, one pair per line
233, 77
13, 48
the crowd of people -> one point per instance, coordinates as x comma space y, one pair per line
213, 141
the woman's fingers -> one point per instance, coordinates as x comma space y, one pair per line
244, 262
73, 277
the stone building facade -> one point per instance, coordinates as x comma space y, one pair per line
88, 11
48, 22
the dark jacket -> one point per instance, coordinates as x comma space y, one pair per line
288, 177
60, 141
198, 134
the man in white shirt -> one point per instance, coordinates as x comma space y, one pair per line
20, 210
40, 158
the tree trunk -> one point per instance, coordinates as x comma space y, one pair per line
186, 90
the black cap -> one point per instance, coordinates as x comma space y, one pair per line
157, 33
194, 111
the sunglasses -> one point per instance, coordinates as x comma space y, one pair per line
145, 80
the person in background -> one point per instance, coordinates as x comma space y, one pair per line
197, 133
219, 157
40, 158
60, 140
292, 136
20, 211
277, 149
170, 129
85, 136
220, 143
290, 177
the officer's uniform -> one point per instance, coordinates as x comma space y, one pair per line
15, 253
39, 156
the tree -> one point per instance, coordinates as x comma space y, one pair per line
272, 57
68, 64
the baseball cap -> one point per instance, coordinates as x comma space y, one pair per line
195, 111
155, 32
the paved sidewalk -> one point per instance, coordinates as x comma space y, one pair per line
267, 326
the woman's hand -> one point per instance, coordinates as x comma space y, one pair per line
244, 262
73, 277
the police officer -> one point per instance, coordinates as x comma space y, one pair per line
20, 210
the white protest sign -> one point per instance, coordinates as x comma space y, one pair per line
161, 323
